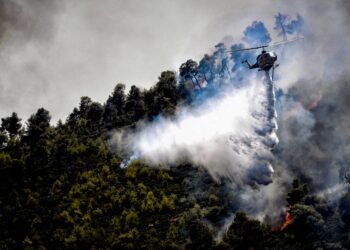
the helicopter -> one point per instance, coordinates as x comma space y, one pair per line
265, 60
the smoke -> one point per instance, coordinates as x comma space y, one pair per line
52, 51
314, 142
313, 107
222, 135
325, 53
230, 135
313, 123
314, 80
27, 31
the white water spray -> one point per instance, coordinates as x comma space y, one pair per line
230, 135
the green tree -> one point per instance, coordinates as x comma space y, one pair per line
163, 98
36, 139
113, 115
37, 126
11, 124
200, 235
134, 105
3, 139
189, 71
84, 106
245, 233
94, 117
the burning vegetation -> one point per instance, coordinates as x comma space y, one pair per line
287, 219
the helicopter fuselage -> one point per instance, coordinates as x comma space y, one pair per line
266, 60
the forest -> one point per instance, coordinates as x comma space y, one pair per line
62, 187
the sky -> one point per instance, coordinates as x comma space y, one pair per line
54, 52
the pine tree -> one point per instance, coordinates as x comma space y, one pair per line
11, 124
189, 72
134, 105
36, 139
113, 115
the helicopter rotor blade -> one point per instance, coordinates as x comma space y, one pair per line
259, 47
285, 42
265, 46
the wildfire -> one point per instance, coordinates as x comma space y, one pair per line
287, 219
315, 102
311, 102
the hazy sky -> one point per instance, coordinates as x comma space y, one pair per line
54, 52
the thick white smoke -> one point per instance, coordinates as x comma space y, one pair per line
231, 154
230, 135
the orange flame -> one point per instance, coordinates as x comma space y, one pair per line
316, 101
287, 219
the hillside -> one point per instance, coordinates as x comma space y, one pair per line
66, 186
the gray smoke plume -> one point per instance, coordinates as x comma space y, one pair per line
230, 135
314, 136
27, 32
309, 76
53, 52
313, 115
